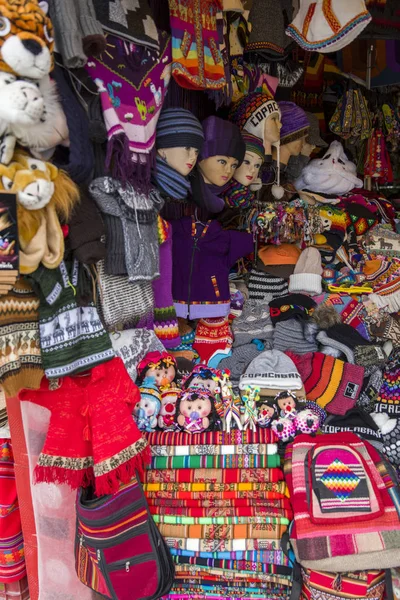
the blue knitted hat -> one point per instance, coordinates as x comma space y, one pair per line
178, 127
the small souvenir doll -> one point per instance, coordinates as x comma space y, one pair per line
147, 409
196, 412
286, 404
250, 397
284, 428
265, 413
166, 417
159, 365
203, 377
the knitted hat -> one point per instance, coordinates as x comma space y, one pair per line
253, 323
370, 389
250, 112
314, 136
268, 24
344, 338
357, 421
271, 369
263, 284
390, 389
149, 390
334, 173
331, 383
222, 138
286, 307
178, 127
238, 362
328, 29
279, 260
295, 123
306, 277
296, 335
254, 144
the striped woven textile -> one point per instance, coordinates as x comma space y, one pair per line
231, 461
215, 487
240, 565
213, 449
213, 438
264, 531
213, 475
270, 557
241, 511
238, 545
174, 520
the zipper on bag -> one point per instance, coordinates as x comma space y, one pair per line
128, 562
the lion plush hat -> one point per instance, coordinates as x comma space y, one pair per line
26, 38
45, 195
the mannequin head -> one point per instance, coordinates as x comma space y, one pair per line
259, 115
222, 153
295, 128
307, 148
179, 139
218, 170
180, 158
248, 171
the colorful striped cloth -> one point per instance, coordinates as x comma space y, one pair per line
177, 520
241, 511
239, 565
266, 531
264, 497
277, 502
229, 461
235, 577
213, 475
214, 450
211, 438
215, 487
276, 557
200, 545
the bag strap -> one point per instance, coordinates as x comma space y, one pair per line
297, 580
388, 585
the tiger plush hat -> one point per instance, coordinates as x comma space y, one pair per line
26, 38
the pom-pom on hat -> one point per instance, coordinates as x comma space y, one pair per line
178, 127
222, 138
295, 123
250, 112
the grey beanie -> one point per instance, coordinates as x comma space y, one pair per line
239, 360
254, 323
272, 369
295, 335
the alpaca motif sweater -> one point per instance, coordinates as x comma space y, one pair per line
202, 257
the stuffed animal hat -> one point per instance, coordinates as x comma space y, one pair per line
334, 173
27, 41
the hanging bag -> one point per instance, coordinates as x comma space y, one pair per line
119, 551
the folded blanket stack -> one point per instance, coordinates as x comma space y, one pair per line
221, 503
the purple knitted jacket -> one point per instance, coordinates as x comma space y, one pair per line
201, 264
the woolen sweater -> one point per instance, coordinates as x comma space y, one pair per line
201, 264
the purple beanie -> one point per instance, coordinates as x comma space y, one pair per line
222, 138
295, 123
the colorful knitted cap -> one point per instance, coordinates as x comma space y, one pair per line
286, 307
331, 383
178, 127
390, 388
222, 138
254, 144
149, 390
250, 112
295, 124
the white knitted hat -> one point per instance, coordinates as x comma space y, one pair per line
328, 26
307, 273
272, 369
334, 173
